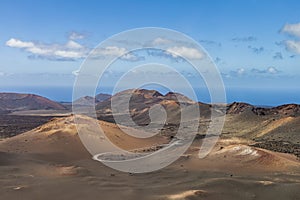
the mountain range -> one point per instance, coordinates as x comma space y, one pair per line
275, 128
42, 155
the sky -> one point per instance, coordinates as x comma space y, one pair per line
255, 44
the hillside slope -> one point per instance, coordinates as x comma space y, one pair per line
18, 102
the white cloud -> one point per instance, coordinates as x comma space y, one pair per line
292, 29
39, 50
18, 43
236, 73
72, 50
74, 45
240, 71
76, 36
293, 46
110, 51
116, 52
132, 57
185, 52
160, 41
68, 54
254, 72
69, 51
272, 70
210, 42
269, 70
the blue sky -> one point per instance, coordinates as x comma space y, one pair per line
255, 43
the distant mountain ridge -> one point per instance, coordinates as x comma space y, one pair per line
89, 100
150, 97
282, 110
19, 102
141, 101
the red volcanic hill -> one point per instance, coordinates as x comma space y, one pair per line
17, 102
292, 110
283, 110
141, 100
238, 107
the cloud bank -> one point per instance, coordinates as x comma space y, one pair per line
186, 52
254, 72
70, 51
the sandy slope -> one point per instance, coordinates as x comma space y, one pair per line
60, 136
50, 162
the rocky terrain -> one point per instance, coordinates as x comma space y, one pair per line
254, 158
12, 125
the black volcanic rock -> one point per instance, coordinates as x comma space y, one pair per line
17, 102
